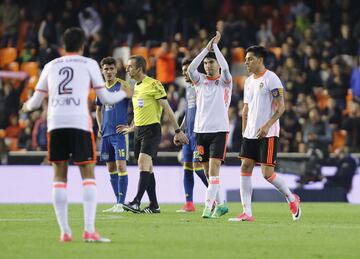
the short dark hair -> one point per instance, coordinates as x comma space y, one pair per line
73, 38
211, 54
108, 61
139, 62
186, 61
258, 51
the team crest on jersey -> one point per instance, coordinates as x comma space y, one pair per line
261, 85
217, 82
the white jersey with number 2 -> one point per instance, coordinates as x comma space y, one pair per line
67, 80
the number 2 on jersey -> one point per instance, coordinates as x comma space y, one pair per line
69, 73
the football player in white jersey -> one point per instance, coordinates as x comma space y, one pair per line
263, 106
67, 81
213, 95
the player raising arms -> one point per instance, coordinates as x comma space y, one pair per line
263, 106
190, 160
114, 146
213, 95
67, 81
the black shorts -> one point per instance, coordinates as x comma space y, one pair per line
263, 151
79, 143
211, 145
147, 139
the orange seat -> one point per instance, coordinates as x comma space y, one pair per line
142, 51
322, 100
7, 55
339, 139
12, 144
22, 31
32, 68
61, 51
154, 51
349, 98
30, 85
238, 55
276, 51
13, 66
239, 81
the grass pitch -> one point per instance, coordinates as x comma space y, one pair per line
326, 230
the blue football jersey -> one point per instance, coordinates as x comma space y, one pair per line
115, 114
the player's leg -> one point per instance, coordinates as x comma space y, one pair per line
60, 200
268, 155
249, 156
217, 153
120, 147
149, 150
151, 191
83, 149
89, 203
188, 180
144, 164
200, 172
59, 155
197, 167
107, 154
114, 180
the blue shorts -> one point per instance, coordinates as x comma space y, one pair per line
189, 150
113, 148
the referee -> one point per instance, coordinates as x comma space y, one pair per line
149, 100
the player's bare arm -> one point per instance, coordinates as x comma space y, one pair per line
244, 117
180, 137
278, 100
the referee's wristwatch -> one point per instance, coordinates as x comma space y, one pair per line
177, 130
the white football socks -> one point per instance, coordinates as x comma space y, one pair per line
246, 192
212, 190
281, 187
89, 201
59, 195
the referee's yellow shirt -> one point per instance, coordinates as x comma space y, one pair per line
147, 109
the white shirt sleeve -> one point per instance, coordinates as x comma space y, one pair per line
107, 97
192, 69
275, 82
96, 78
225, 72
41, 90
35, 101
42, 84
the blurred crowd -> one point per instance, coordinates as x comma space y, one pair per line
313, 47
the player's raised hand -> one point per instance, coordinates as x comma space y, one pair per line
217, 37
128, 90
125, 129
209, 45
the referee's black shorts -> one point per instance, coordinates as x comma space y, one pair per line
77, 143
147, 139
262, 151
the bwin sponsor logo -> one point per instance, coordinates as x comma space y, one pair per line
65, 101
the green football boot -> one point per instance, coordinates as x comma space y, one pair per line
219, 211
206, 213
